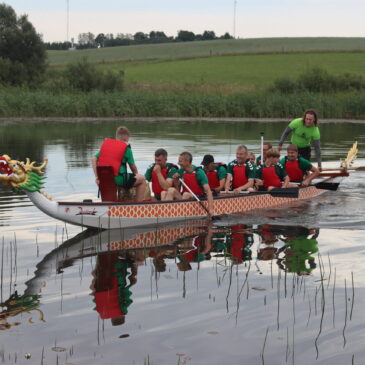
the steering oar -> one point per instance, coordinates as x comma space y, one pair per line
213, 217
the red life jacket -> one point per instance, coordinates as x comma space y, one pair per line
107, 302
191, 181
270, 177
212, 176
293, 170
156, 187
238, 242
239, 176
112, 153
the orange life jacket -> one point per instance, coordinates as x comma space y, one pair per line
112, 153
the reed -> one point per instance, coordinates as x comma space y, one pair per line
22, 102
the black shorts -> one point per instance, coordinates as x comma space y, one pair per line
305, 152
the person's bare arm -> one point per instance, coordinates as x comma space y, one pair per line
314, 173
209, 194
286, 181
227, 186
133, 168
94, 164
249, 184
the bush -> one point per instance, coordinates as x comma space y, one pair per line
318, 80
284, 85
84, 76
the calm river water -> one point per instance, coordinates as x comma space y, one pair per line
282, 286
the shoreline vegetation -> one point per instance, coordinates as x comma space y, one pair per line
38, 103
268, 83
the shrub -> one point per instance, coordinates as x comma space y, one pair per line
84, 76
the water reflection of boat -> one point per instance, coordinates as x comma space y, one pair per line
111, 215
119, 253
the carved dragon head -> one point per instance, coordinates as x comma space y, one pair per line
21, 175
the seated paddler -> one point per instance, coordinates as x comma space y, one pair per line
194, 180
271, 173
118, 154
298, 168
161, 173
216, 173
240, 172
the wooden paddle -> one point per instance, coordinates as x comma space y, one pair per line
214, 217
359, 168
333, 174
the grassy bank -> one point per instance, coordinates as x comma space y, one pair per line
33, 103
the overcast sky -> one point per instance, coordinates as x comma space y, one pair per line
254, 18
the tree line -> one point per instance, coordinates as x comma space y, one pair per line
89, 40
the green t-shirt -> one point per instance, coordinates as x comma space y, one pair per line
304, 164
302, 136
127, 159
278, 168
201, 176
170, 167
250, 168
220, 170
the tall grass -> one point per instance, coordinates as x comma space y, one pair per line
38, 103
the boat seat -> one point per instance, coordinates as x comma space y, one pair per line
108, 189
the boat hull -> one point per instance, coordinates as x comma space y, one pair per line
110, 215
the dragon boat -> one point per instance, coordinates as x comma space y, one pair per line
111, 214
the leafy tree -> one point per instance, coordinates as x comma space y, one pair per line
100, 39
22, 52
226, 36
208, 35
140, 37
185, 36
86, 40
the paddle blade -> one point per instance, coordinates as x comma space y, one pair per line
327, 186
284, 192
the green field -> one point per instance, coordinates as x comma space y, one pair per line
181, 50
237, 73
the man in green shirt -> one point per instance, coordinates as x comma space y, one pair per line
195, 179
161, 174
216, 173
298, 168
304, 131
118, 153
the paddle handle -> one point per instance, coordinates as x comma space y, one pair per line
196, 198
262, 148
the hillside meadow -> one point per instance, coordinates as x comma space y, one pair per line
166, 51
224, 78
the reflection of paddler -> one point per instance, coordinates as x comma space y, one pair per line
268, 237
112, 292
202, 246
298, 254
240, 243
